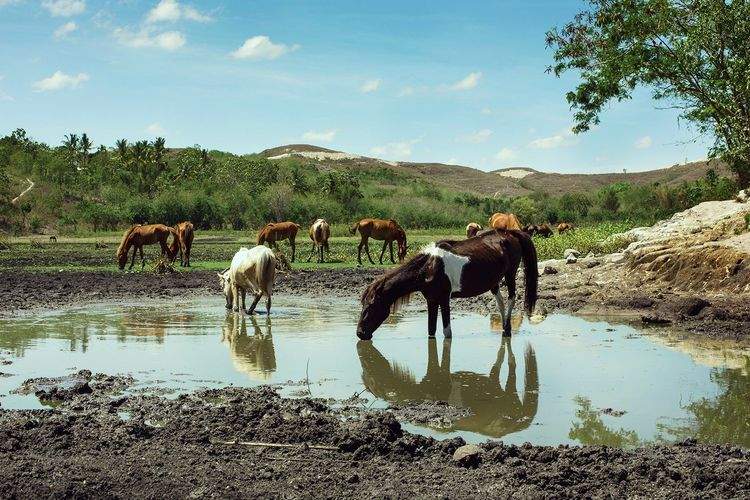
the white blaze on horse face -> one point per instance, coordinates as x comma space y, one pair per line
452, 263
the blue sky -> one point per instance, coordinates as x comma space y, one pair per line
458, 82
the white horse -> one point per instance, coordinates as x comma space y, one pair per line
320, 231
251, 270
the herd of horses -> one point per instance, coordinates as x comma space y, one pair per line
483, 262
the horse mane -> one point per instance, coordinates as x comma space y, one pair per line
125, 238
376, 288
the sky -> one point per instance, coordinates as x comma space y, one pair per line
424, 81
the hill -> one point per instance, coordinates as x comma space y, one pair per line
507, 182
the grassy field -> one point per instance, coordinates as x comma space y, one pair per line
214, 249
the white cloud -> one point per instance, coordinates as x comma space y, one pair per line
65, 30
3, 3
370, 86
313, 136
155, 129
406, 91
476, 137
468, 82
171, 10
395, 150
644, 142
64, 8
563, 139
452, 161
146, 38
486, 111
261, 47
505, 154
60, 80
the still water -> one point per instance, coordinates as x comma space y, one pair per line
565, 380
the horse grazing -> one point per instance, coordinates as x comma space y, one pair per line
500, 220
252, 270
138, 236
183, 240
531, 229
472, 229
454, 269
564, 227
320, 231
542, 230
278, 231
387, 230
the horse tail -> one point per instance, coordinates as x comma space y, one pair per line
266, 271
125, 237
530, 270
353, 229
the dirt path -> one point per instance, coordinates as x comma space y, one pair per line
17, 199
95, 444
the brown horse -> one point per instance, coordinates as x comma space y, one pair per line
138, 236
320, 231
184, 241
542, 230
387, 230
564, 227
472, 229
500, 220
448, 269
274, 232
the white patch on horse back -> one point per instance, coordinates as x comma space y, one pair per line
452, 263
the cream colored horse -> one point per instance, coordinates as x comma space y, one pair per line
252, 270
320, 231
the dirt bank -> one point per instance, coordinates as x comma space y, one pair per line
97, 443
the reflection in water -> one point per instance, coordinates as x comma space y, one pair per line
723, 419
496, 322
497, 411
591, 430
251, 354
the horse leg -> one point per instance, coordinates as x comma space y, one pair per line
359, 252
235, 297
132, 261
500, 303
390, 245
445, 312
321, 248
510, 384
258, 295
367, 251
294, 247
432, 310
243, 292
312, 252
143, 259
385, 245
510, 282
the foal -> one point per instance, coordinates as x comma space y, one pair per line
454, 269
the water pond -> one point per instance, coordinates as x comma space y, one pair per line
565, 380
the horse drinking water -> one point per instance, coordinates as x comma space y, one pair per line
454, 269
387, 230
251, 270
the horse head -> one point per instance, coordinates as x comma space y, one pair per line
375, 308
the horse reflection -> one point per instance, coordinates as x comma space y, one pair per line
497, 410
251, 354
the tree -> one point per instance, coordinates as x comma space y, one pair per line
122, 149
86, 146
694, 54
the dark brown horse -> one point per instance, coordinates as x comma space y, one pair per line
448, 269
496, 410
138, 236
387, 230
183, 242
278, 231
542, 230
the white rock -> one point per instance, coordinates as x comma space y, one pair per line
571, 251
571, 259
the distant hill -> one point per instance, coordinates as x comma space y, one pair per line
510, 182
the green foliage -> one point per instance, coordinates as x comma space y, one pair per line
691, 54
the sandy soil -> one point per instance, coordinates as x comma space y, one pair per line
98, 442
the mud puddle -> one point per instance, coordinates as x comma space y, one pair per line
565, 380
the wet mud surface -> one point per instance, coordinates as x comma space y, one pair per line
575, 288
106, 443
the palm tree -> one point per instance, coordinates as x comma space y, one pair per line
159, 150
122, 149
205, 159
86, 146
140, 156
70, 143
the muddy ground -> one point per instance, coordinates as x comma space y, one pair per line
99, 442
577, 288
